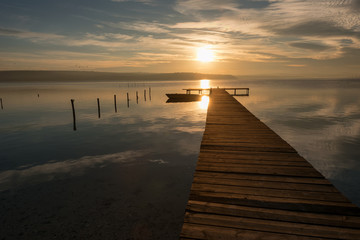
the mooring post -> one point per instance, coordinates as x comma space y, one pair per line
98, 103
115, 102
73, 110
128, 100
137, 97
1, 103
145, 95
150, 93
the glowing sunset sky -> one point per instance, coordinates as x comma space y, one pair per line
250, 37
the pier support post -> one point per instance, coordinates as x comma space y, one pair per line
137, 97
98, 103
1, 103
73, 111
128, 100
145, 95
115, 103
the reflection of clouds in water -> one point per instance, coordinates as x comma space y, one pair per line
50, 170
318, 123
159, 161
325, 144
190, 129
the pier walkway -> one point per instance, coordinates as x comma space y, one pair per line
251, 184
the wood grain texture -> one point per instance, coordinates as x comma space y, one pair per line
251, 184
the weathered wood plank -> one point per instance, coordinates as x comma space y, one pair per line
261, 191
259, 177
307, 205
254, 162
301, 229
263, 170
265, 184
274, 214
251, 155
198, 231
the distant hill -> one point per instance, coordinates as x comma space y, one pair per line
78, 76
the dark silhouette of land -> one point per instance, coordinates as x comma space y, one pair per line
79, 76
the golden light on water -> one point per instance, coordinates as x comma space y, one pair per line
205, 83
204, 103
205, 54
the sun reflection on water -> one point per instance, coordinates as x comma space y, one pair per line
203, 104
205, 83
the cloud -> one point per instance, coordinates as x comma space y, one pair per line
28, 34
195, 6
315, 28
50, 170
150, 27
309, 46
356, 4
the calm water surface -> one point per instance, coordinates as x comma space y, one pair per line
127, 174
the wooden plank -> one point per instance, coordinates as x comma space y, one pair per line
247, 163
313, 206
251, 184
301, 229
274, 214
266, 184
254, 162
258, 177
263, 170
198, 231
247, 148
273, 192
251, 155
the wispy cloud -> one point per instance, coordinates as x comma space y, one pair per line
28, 34
309, 46
198, 6
140, 26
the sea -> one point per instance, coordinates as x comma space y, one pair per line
115, 160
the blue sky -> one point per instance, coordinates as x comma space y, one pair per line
251, 37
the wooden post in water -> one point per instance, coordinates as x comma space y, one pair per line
1, 103
145, 95
73, 110
115, 103
98, 103
137, 97
128, 100
150, 93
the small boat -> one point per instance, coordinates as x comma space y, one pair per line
179, 97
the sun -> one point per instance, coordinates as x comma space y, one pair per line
205, 54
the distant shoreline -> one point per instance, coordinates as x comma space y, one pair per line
88, 76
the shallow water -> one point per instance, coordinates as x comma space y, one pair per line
127, 174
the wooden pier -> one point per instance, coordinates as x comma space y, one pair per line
251, 184
207, 91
